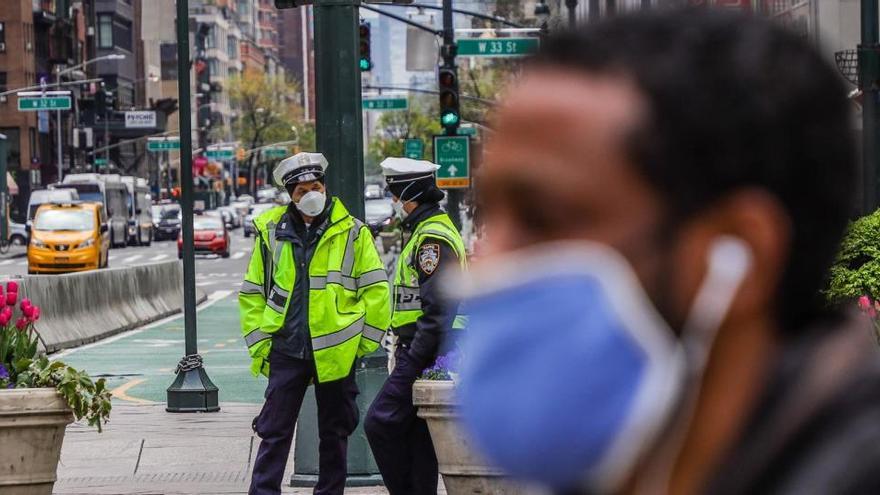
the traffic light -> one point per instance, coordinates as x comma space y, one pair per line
364, 62
450, 115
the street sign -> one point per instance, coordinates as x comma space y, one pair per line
414, 148
467, 131
145, 119
37, 103
100, 162
453, 155
276, 152
157, 145
394, 103
497, 47
221, 154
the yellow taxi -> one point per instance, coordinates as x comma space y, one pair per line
68, 237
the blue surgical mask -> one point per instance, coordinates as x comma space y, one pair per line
570, 373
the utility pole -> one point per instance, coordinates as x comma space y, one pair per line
339, 116
192, 390
869, 74
448, 51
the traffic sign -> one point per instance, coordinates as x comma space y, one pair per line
276, 152
467, 131
394, 103
497, 47
100, 162
157, 145
226, 153
414, 148
453, 154
37, 103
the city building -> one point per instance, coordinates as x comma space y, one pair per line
297, 53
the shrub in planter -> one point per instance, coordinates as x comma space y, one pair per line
856, 272
23, 366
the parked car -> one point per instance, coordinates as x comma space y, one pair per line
379, 215
18, 235
69, 237
169, 223
255, 212
230, 216
266, 195
373, 191
209, 236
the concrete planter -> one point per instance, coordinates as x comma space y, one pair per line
32, 423
463, 470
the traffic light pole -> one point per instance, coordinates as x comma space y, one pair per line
192, 390
339, 117
449, 50
869, 74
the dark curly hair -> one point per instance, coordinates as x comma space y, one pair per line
733, 102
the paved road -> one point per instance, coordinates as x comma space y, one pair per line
212, 272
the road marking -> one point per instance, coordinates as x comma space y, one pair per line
159, 257
213, 299
21, 263
221, 344
205, 284
7, 262
120, 392
239, 255
132, 259
111, 257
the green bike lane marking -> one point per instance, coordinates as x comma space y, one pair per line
140, 366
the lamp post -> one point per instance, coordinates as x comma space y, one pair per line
58, 74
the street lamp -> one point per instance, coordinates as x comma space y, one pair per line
58, 74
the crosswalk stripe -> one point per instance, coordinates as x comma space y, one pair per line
21, 263
159, 257
239, 255
132, 259
7, 262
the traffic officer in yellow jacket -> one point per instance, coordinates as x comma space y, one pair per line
423, 321
314, 299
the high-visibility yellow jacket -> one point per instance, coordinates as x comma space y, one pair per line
349, 296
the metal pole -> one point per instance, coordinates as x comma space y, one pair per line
4, 193
58, 146
453, 196
869, 73
192, 390
572, 12
338, 116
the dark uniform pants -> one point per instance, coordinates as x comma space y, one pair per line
399, 439
337, 418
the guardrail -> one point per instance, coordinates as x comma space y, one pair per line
80, 308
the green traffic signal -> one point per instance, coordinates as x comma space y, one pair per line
365, 64
449, 118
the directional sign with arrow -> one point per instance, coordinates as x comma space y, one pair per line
452, 153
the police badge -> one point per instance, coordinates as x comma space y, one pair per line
429, 257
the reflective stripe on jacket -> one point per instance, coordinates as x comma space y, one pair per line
407, 296
349, 295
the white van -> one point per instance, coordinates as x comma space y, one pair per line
41, 196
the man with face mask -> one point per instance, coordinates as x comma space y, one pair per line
663, 196
422, 320
314, 299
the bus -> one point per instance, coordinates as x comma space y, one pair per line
108, 190
139, 203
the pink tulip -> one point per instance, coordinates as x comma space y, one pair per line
5, 316
21, 324
11, 298
36, 313
864, 303
25, 303
27, 311
12, 287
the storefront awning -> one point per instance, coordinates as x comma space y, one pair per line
11, 186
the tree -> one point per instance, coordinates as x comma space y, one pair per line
267, 112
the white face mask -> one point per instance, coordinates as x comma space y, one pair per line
399, 205
312, 203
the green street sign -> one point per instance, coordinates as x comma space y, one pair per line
221, 154
453, 154
497, 47
414, 148
385, 104
37, 103
100, 162
276, 153
164, 145
467, 131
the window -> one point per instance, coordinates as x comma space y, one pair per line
2, 82
214, 67
168, 52
122, 34
211, 38
105, 31
2, 37
232, 47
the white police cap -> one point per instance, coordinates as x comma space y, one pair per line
404, 169
301, 167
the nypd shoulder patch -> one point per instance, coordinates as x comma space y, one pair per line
429, 257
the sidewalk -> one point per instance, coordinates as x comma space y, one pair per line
145, 450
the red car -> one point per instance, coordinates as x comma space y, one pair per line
209, 236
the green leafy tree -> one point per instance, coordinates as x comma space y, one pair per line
419, 121
857, 269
